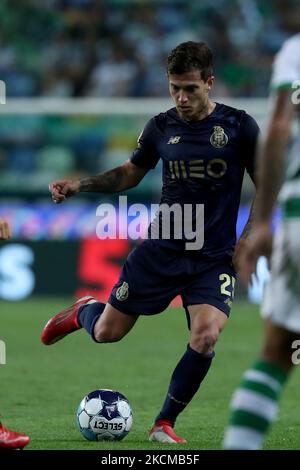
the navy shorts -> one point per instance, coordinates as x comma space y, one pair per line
153, 276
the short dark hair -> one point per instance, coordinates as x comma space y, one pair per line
189, 56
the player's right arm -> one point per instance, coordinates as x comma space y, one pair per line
5, 231
118, 179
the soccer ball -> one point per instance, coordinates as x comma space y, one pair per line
104, 415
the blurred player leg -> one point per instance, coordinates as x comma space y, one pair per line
254, 405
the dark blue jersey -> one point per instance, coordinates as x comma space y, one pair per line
203, 163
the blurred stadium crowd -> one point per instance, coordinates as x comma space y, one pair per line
111, 48
118, 47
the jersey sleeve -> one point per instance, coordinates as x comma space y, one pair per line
146, 155
286, 67
249, 133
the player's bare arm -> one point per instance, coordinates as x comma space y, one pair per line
5, 230
243, 242
118, 179
272, 153
271, 156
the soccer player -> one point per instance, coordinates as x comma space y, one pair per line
10, 439
205, 148
254, 405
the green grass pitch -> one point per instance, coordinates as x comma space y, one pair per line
41, 386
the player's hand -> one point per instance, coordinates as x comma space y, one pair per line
62, 189
260, 244
239, 254
5, 230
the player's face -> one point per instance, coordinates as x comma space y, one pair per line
190, 94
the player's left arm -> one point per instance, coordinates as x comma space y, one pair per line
248, 138
243, 241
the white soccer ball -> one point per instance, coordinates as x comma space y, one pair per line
104, 415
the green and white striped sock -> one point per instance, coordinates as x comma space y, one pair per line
254, 406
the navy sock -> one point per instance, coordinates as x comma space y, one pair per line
185, 381
88, 316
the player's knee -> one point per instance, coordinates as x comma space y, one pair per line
105, 334
209, 339
205, 340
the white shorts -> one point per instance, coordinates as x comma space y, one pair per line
281, 300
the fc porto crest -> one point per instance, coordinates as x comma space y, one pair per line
218, 138
122, 292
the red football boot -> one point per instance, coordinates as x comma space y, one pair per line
11, 440
64, 322
162, 431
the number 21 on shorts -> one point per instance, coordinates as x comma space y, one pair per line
227, 281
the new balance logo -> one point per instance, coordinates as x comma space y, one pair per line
174, 139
